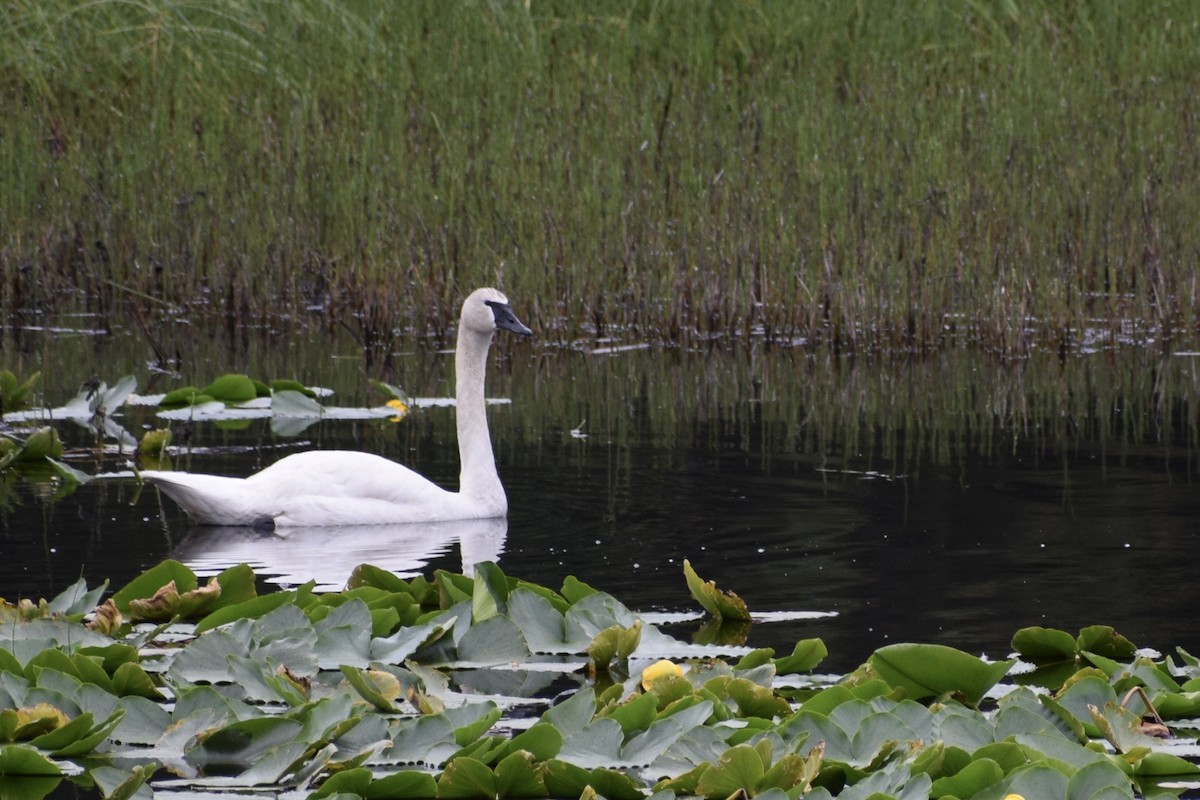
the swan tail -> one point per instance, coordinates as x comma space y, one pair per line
211, 499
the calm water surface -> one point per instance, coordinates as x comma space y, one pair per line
949, 500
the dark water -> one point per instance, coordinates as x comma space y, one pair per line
951, 500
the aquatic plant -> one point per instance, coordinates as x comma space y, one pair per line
14, 392
418, 688
37, 447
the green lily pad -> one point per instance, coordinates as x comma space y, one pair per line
352, 782
239, 745
1040, 645
406, 783
1121, 727
20, 760
1104, 641
496, 640
289, 385
564, 779
42, 444
183, 397
805, 656
635, 714
253, 608
932, 670
543, 627
231, 388
722, 605
82, 740
472, 721
574, 590
489, 595
738, 771
122, 784
754, 700
1101, 780
468, 779
975, 777
27, 788
378, 688
287, 403
518, 777
514, 777
148, 584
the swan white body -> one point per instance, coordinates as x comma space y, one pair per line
339, 487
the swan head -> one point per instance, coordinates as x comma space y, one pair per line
485, 310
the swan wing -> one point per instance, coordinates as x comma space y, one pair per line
345, 474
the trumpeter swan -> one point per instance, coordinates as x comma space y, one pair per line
340, 487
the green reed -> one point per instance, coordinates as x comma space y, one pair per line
898, 176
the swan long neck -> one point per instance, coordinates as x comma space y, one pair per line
478, 478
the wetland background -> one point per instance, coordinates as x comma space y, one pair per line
914, 284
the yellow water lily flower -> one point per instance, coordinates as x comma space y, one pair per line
1013, 797
401, 409
659, 669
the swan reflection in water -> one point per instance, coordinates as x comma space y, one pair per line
327, 555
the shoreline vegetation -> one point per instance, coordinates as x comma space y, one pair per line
902, 177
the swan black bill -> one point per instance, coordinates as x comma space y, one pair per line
506, 319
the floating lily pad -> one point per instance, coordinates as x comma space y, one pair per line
930, 670
744, 770
122, 784
380, 689
514, 777
21, 760
239, 745
243, 702
288, 403
42, 444
183, 397
805, 656
148, 584
27, 788
564, 779
722, 605
231, 388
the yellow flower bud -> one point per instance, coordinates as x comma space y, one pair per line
659, 669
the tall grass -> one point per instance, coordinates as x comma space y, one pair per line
892, 176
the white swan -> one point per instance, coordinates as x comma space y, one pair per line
338, 487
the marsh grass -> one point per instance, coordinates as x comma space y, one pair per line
899, 177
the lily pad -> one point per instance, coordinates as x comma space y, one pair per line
231, 388
932, 670
20, 760
183, 397
564, 779
239, 745
722, 605
122, 784
288, 403
150, 582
